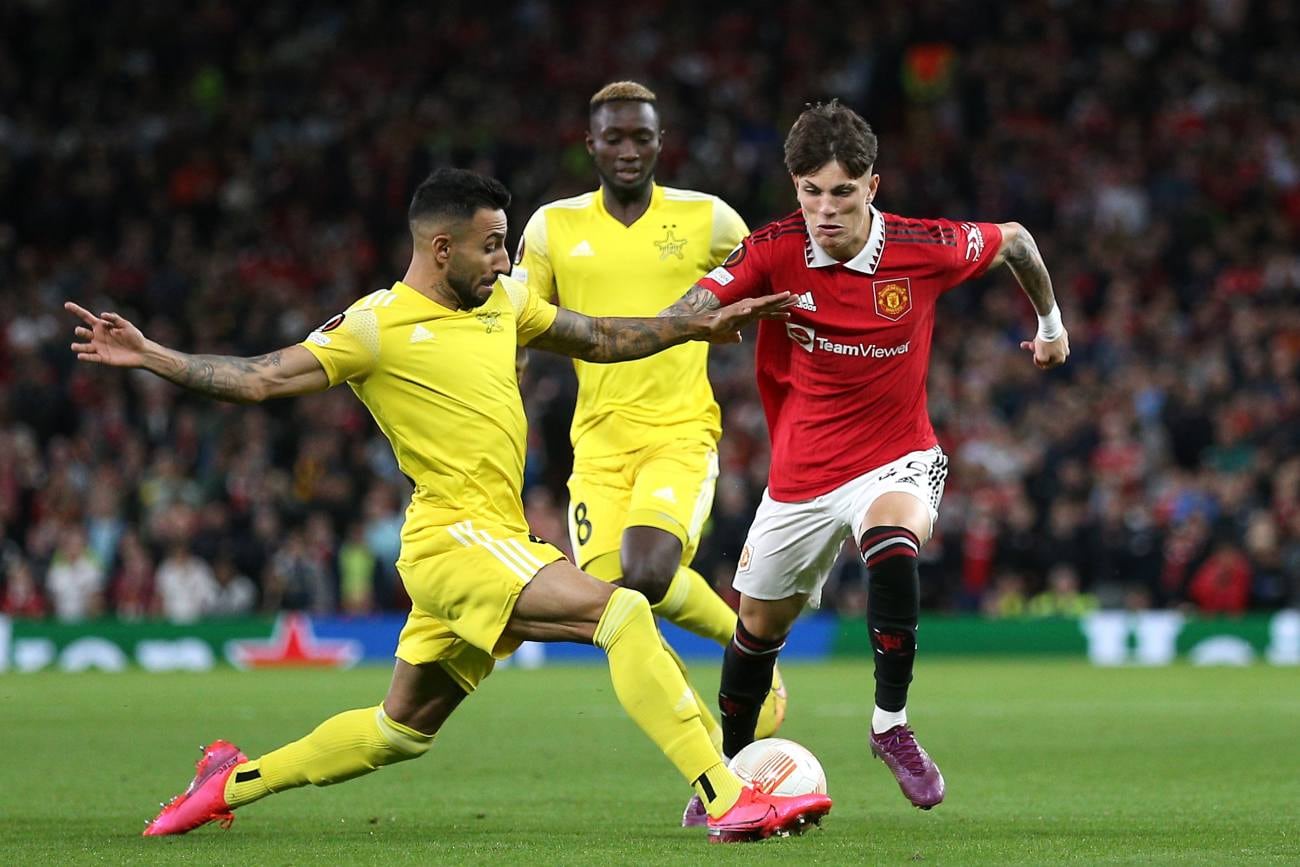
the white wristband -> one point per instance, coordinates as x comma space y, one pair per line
1049, 326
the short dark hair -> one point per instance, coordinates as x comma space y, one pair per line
622, 91
829, 131
457, 193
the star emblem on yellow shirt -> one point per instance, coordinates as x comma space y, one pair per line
671, 245
489, 319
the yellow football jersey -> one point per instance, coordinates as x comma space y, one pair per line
574, 251
441, 385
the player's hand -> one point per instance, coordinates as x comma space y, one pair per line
1048, 353
724, 324
106, 339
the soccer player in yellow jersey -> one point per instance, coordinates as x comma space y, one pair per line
645, 433
433, 359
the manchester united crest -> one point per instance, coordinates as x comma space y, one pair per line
893, 297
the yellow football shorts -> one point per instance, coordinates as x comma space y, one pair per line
464, 580
666, 485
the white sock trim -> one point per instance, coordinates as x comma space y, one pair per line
884, 720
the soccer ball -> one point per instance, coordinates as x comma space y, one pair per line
776, 766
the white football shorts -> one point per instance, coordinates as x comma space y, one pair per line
792, 547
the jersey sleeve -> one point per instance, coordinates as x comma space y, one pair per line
533, 315
347, 345
729, 230
533, 258
743, 274
977, 245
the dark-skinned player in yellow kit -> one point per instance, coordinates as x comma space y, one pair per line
645, 434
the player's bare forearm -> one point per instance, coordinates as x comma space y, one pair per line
283, 373
696, 300
609, 339
224, 377
1020, 252
111, 340
618, 339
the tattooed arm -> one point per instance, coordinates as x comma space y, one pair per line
607, 339
696, 300
111, 340
1020, 253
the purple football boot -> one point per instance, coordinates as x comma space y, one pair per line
695, 816
918, 776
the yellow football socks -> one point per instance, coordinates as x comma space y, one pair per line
653, 692
706, 718
347, 745
693, 605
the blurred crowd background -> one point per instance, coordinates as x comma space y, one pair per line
231, 175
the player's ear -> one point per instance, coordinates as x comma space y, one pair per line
591, 142
440, 244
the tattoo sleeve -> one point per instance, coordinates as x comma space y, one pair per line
607, 339
225, 377
1026, 263
696, 300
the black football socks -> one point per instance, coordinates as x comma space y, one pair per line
893, 605
747, 667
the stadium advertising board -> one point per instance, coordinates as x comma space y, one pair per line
297, 640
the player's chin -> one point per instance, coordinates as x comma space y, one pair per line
630, 182
479, 296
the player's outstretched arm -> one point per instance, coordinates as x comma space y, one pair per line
606, 339
112, 340
1020, 252
696, 300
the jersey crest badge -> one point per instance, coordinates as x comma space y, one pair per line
671, 245
490, 319
893, 298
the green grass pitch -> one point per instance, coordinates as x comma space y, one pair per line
1046, 762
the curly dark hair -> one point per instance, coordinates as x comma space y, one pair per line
830, 131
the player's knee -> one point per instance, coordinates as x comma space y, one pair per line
625, 610
403, 742
769, 625
650, 576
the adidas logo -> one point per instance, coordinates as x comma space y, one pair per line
666, 494
806, 302
582, 249
419, 334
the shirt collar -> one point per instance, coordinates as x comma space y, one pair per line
868, 257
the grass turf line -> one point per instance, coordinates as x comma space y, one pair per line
1045, 762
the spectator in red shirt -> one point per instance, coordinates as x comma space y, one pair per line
1222, 584
22, 596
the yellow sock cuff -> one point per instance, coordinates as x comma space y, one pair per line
402, 737
719, 789
675, 597
622, 608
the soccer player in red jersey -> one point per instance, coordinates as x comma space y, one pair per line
843, 387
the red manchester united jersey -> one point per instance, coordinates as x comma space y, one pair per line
843, 381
